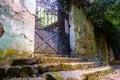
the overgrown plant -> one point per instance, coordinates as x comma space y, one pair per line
105, 15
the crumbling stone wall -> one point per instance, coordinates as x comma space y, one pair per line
88, 45
18, 20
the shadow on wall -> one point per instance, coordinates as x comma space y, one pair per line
111, 34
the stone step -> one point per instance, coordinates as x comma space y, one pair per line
39, 55
115, 75
67, 66
21, 78
97, 73
114, 62
18, 71
36, 70
91, 74
44, 60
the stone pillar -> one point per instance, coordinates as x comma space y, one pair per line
18, 20
72, 32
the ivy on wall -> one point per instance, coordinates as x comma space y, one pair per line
105, 15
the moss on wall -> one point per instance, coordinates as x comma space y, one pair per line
18, 22
88, 46
85, 41
6, 56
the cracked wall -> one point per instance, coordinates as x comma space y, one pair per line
17, 17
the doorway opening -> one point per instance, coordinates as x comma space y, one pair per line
48, 37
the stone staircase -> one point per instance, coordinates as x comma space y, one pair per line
53, 67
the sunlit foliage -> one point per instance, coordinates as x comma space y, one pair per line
105, 15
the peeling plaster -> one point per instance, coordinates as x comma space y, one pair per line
19, 22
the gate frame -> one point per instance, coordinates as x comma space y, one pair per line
62, 18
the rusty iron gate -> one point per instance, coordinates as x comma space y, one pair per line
46, 31
46, 40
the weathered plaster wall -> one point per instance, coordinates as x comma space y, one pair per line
88, 45
18, 20
72, 32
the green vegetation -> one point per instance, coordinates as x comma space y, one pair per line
105, 15
6, 56
96, 75
27, 72
46, 19
46, 12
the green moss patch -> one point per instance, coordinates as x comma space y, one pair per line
22, 62
50, 77
7, 56
96, 75
72, 79
28, 72
41, 70
13, 72
44, 60
2, 73
114, 62
66, 67
54, 76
